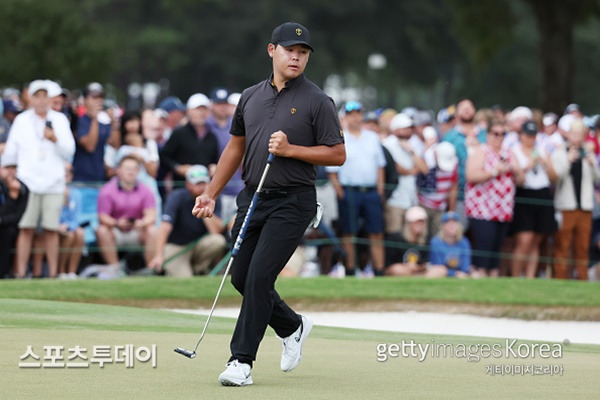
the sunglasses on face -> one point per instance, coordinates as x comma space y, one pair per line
498, 133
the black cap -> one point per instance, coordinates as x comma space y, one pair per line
529, 128
219, 95
291, 33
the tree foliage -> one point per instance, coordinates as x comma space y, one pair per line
437, 51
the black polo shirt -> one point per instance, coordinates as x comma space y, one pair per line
302, 111
185, 147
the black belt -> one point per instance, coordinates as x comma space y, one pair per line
363, 189
280, 192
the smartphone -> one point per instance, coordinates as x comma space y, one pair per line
49, 124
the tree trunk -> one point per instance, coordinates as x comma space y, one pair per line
555, 20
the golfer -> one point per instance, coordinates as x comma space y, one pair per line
290, 117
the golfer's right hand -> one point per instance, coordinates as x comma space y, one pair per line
204, 207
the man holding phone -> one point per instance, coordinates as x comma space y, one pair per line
40, 141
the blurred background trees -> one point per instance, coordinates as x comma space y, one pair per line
427, 53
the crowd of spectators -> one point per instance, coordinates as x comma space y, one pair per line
458, 193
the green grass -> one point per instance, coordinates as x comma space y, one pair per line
337, 363
540, 292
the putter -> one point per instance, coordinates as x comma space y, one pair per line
236, 247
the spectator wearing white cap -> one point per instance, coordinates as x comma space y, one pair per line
408, 164
193, 143
411, 256
560, 138
438, 188
550, 126
41, 141
57, 96
516, 119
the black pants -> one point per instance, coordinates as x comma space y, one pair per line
488, 237
274, 232
8, 236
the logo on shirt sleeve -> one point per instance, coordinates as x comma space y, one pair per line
341, 132
293, 110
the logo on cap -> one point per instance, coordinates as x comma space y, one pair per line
298, 31
293, 110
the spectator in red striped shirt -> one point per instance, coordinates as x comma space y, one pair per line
438, 188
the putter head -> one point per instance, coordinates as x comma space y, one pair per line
184, 352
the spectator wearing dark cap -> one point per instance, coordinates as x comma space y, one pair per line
4, 129
421, 120
193, 143
574, 110
533, 218
93, 133
446, 119
449, 250
188, 244
219, 122
12, 108
175, 110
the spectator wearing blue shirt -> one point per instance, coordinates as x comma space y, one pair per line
449, 251
93, 133
359, 185
92, 136
71, 234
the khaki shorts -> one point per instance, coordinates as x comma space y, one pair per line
127, 239
195, 261
394, 219
44, 207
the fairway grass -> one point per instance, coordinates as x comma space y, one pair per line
201, 290
337, 363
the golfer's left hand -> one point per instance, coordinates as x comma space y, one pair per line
278, 144
204, 207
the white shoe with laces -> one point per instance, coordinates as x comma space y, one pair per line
236, 374
292, 345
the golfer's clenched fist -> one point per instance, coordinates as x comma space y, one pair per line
278, 144
204, 207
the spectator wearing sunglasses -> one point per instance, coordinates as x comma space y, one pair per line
491, 174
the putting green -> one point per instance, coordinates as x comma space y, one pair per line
337, 364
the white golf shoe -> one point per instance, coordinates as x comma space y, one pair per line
292, 345
236, 374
